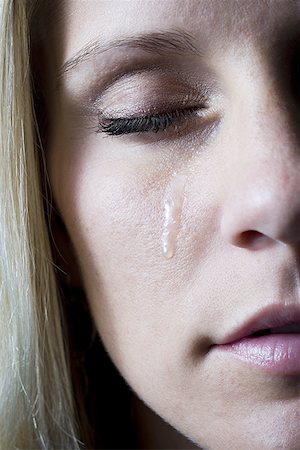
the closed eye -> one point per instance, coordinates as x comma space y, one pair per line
150, 123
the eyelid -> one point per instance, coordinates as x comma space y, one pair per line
92, 81
135, 95
162, 111
142, 95
156, 107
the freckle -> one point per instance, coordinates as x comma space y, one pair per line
173, 202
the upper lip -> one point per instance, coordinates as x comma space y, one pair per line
274, 316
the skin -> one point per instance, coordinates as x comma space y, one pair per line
237, 247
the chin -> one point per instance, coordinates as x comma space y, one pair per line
264, 427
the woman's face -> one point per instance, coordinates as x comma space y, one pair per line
174, 158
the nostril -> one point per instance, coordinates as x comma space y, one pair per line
252, 239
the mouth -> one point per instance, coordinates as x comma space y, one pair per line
275, 319
270, 340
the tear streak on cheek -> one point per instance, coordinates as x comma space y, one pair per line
173, 202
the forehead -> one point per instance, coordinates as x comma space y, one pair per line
212, 21
217, 28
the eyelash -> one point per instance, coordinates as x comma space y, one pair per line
153, 123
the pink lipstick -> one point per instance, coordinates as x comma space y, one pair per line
270, 340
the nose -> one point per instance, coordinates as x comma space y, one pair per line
262, 198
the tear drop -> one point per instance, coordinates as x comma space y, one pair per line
173, 202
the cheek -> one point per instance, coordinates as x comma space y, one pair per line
116, 217
114, 212
113, 204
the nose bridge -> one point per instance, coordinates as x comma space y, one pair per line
268, 149
263, 194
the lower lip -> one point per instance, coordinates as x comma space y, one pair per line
277, 353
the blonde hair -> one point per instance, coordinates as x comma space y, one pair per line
36, 398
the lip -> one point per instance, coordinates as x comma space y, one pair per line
274, 316
277, 352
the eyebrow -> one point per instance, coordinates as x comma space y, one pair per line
161, 42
